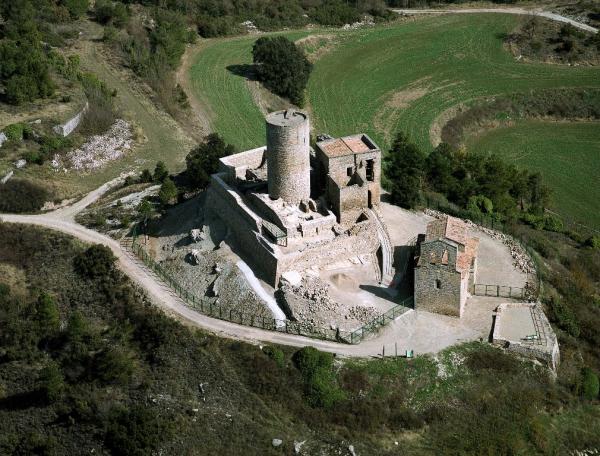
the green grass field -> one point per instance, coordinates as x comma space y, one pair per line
567, 154
385, 79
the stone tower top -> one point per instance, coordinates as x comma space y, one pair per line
287, 118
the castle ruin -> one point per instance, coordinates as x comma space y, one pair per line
289, 207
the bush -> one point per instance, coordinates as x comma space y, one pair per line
316, 368
590, 384
160, 172
51, 382
20, 195
96, 261
593, 242
282, 67
138, 431
553, 223
14, 132
167, 192
276, 354
563, 315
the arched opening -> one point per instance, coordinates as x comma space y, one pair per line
438, 284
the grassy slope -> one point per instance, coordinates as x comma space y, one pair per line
437, 62
161, 137
567, 154
225, 95
453, 59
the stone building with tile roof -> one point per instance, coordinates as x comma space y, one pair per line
446, 267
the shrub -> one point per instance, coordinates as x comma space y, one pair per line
168, 191
14, 132
160, 172
593, 242
590, 384
20, 195
276, 354
51, 382
146, 176
46, 314
96, 261
282, 67
316, 368
564, 316
138, 431
553, 223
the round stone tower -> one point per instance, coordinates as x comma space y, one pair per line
288, 155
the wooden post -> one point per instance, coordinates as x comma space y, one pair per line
383, 352
396, 348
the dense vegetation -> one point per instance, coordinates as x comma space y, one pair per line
24, 63
548, 147
549, 41
203, 160
282, 67
482, 184
21, 195
87, 365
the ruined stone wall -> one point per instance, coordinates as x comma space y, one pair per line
449, 298
236, 165
244, 227
363, 242
67, 128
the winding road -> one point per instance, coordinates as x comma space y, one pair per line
519, 11
412, 330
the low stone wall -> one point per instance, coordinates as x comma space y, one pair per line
67, 128
6, 178
547, 352
235, 165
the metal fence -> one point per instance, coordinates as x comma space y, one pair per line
210, 308
499, 291
378, 322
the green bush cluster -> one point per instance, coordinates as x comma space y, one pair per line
203, 160
21, 195
483, 185
282, 67
320, 385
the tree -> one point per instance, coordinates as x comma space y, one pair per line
590, 384
203, 160
146, 175
405, 170
47, 316
97, 261
168, 191
282, 67
51, 382
76, 7
160, 172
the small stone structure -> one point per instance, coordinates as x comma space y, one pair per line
523, 328
446, 267
70, 125
3, 138
289, 208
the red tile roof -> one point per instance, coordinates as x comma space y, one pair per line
348, 145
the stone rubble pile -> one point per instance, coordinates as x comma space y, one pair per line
101, 149
522, 260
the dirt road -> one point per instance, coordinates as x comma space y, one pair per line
418, 331
519, 11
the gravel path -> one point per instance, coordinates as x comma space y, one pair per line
420, 331
519, 11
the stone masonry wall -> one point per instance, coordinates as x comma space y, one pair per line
448, 299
